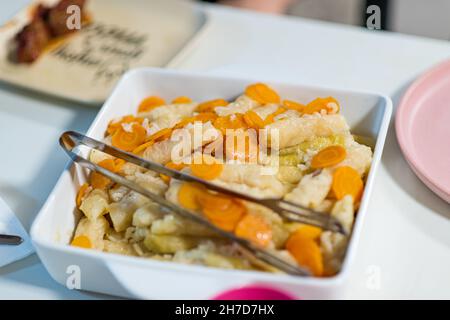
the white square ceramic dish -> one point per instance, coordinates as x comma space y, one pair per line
368, 114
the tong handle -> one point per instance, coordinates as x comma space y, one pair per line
290, 211
12, 240
293, 212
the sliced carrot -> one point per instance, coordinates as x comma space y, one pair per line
253, 120
226, 219
113, 126
118, 163
262, 93
99, 181
347, 180
175, 166
202, 117
328, 157
229, 122
82, 242
171, 165
108, 164
255, 229
292, 105
143, 146
81, 193
223, 211
150, 103
211, 201
162, 134
188, 195
165, 178
206, 116
222, 123
330, 105
208, 168
184, 122
114, 165
306, 252
209, 106
237, 121
128, 141
310, 232
182, 99
271, 117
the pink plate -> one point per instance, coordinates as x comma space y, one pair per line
423, 128
254, 293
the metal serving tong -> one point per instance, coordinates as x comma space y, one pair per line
12, 240
70, 140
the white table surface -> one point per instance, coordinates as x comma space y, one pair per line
405, 243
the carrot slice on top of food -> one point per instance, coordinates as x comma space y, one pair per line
221, 210
184, 122
306, 252
160, 135
108, 164
308, 231
82, 242
171, 165
206, 116
329, 104
150, 103
114, 125
253, 120
255, 229
328, 157
129, 140
99, 181
201, 117
347, 181
81, 193
229, 122
119, 163
222, 123
182, 99
188, 195
214, 201
228, 218
207, 168
209, 106
293, 105
143, 146
271, 117
262, 93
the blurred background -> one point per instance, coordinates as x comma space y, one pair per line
428, 18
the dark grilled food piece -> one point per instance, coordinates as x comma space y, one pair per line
57, 17
46, 23
33, 38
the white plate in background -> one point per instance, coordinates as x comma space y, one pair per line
86, 65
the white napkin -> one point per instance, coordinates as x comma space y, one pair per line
9, 224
